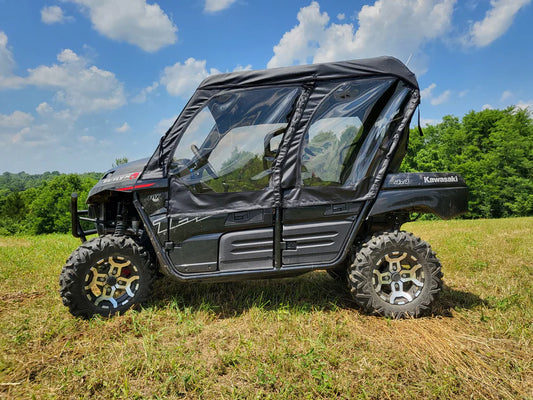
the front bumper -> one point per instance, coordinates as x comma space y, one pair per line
76, 217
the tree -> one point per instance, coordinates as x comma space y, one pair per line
50, 210
13, 211
120, 161
491, 149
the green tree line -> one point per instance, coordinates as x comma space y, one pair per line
36, 204
491, 149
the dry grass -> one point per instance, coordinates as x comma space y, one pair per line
293, 338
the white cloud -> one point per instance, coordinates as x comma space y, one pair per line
341, 17
7, 65
393, 27
68, 56
53, 140
526, 105
26, 135
83, 88
424, 122
16, 120
472, 5
133, 21
141, 97
53, 15
496, 22
443, 98
241, 68
181, 79
506, 96
87, 139
50, 115
213, 6
44, 109
163, 125
18, 127
463, 93
426, 93
124, 128
300, 43
487, 107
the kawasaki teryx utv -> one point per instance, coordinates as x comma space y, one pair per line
268, 174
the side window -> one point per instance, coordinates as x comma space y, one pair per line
338, 129
367, 163
231, 143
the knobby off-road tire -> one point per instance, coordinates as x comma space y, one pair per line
106, 275
395, 274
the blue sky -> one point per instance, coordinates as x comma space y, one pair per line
83, 82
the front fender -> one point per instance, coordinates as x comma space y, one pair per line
119, 178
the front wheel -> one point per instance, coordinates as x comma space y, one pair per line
106, 275
395, 274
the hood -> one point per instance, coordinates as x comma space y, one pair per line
120, 177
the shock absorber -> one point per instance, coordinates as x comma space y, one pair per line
120, 225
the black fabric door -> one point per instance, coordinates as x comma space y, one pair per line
345, 135
221, 195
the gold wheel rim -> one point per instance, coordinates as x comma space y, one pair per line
111, 282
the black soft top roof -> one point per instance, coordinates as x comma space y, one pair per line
302, 73
296, 75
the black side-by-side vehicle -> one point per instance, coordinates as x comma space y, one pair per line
268, 174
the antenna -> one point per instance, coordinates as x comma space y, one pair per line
409, 59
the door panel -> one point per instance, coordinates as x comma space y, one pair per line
314, 243
246, 250
316, 234
218, 242
197, 254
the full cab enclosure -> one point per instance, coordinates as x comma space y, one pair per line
268, 174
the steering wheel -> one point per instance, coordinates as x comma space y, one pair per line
203, 162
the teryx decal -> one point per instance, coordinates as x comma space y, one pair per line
119, 178
175, 223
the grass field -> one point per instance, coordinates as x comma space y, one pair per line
287, 338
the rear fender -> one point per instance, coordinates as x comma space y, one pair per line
441, 193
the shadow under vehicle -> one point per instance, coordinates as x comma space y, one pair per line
269, 174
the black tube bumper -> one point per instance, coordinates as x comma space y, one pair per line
75, 217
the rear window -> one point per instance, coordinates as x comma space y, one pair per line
346, 130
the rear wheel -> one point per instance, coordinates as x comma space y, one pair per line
395, 274
106, 275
